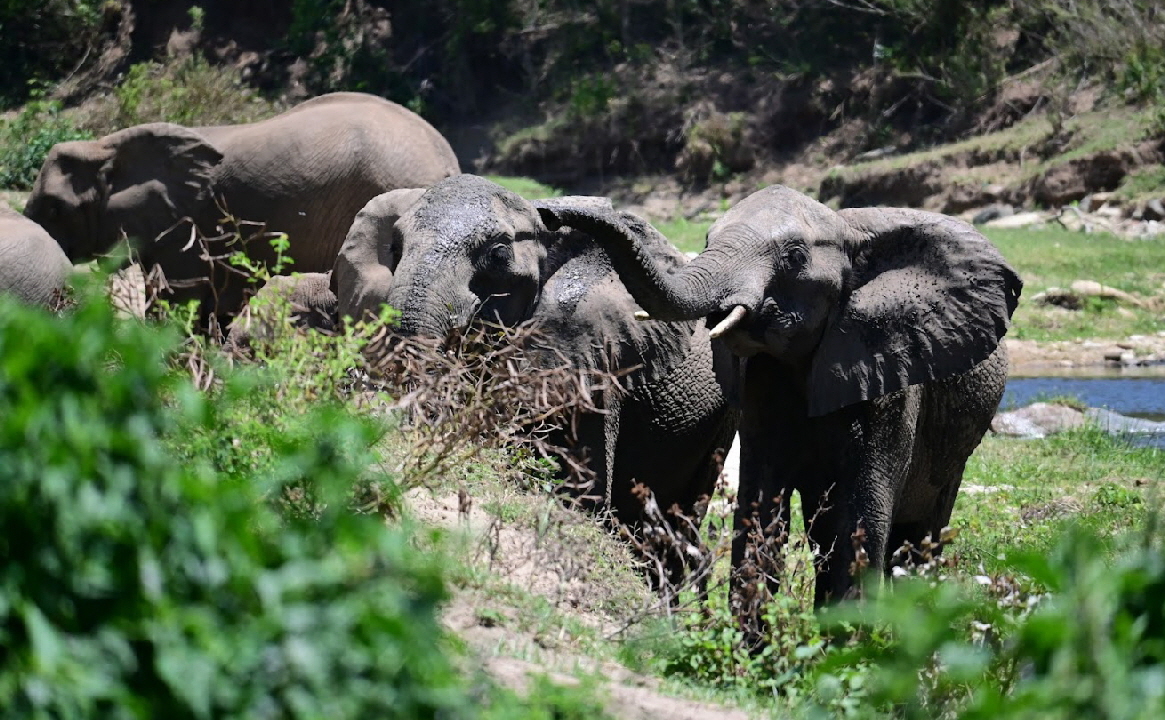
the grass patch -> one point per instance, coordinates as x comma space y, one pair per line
1020, 495
528, 188
1108, 129
1056, 258
685, 234
1147, 180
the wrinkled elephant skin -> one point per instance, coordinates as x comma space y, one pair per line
32, 266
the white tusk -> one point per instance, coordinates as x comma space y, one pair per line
734, 318
641, 315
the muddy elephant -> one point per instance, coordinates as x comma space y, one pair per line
871, 361
305, 172
467, 249
32, 266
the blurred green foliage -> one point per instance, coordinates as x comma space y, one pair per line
1092, 645
138, 583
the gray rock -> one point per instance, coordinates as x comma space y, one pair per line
1116, 423
1037, 420
992, 212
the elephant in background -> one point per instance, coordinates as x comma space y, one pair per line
467, 249
310, 304
32, 266
871, 361
305, 172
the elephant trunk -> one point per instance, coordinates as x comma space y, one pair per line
689, 292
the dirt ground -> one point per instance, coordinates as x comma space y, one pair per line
544, 561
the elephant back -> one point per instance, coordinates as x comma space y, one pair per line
33, 267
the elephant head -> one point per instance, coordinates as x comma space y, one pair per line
860, 303
135, 181
467, 249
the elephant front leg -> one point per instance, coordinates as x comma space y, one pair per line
762, 512
863, 463
848, 531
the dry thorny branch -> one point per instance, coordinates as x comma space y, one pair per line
481, 387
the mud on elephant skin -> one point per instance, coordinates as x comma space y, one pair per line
871, 360
305, 172
32, 266
466, 249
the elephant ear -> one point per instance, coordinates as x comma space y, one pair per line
929, 299
157, 174
584, 300
362, 273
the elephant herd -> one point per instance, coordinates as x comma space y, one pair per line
857, 352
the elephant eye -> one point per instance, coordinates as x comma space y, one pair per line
795, 257
499, 254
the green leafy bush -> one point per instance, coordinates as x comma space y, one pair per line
1089, 644
135, 586
187, 91
26, 139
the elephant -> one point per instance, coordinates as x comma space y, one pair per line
305, 173
32, 267
870, 363
467, 250
310, 304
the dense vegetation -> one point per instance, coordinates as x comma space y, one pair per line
627, 84
169, 554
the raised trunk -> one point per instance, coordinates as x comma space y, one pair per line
686, 293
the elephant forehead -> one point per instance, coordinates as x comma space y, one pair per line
570, 284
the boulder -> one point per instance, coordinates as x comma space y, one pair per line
993, 212
1037, 420
1019, 220
1153, 210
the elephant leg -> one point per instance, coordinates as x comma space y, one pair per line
954, 415
864, 456
592, 445
768, 466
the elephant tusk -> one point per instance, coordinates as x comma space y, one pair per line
734, 318
642, 315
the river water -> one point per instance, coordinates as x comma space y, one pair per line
1138, 392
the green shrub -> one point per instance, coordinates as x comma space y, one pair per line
1093, 646
187, 91
26, 139
136, 586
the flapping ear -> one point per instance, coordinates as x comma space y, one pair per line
362, 274
157, 174
585, 300
930, 298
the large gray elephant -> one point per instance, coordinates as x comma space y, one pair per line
468, 249
32, 266
305, 172
872, 360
